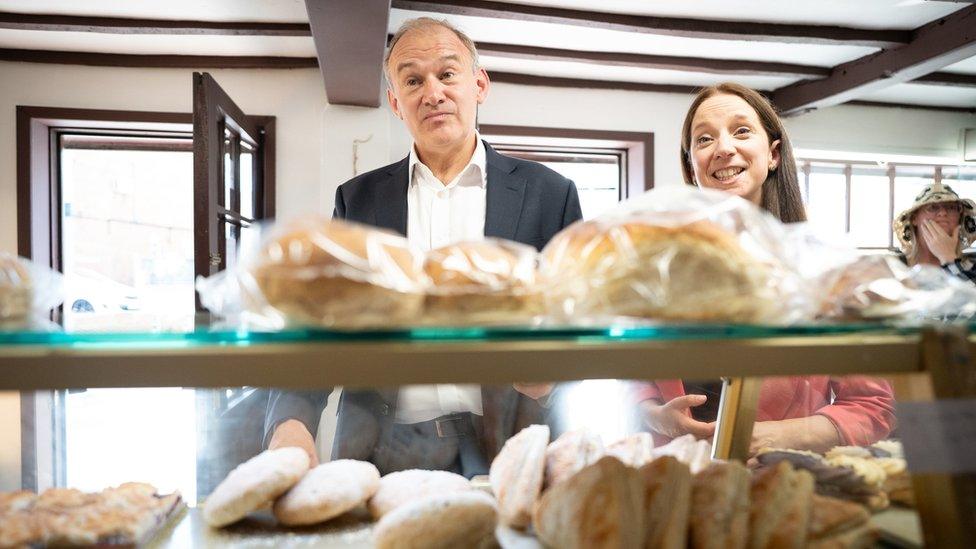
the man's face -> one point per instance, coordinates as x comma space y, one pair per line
433, 88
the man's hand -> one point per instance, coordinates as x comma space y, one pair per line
942, 245
534, 390
670, 419
294, 433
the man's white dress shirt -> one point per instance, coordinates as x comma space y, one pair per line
439, 215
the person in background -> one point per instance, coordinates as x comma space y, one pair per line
733, 140
451, 187
935, 230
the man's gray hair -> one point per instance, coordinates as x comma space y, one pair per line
422, 24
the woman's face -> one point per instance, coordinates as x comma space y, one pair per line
944, 214
730, 150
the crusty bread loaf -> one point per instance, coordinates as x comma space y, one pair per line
569, 453
444, 521
402, 487
779, 515
517, 473
336, 273
667, 503
696, 271
254, 484
601, 506
720, 507
634, 450
829, 516
482, 282
327, 491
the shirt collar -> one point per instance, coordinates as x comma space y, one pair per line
478, 160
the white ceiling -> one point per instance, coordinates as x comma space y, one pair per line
890, 14
866, 14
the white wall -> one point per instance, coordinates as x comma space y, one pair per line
315, 140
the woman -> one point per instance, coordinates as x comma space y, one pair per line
733, 140
936, 228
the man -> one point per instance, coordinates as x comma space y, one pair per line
452, 187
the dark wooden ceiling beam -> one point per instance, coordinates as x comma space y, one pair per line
120, 25
671, 26
936, 45
645, 61
350, 39
948, 79
155, 61
559, 82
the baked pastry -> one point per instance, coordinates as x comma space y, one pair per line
254, 484
569, 453
601, 506
696, 454
444, 521
839, 524
402, 487
696, 271
635, 450
491, 281
720, 507
16, 289
327, 491
779, 515
126, 515
336, 274
832, 480
667, 503
517, 473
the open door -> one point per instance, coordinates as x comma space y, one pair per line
233, 180
233, 174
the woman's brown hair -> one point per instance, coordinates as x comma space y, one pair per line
780, 191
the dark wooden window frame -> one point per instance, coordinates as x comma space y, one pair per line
639, 147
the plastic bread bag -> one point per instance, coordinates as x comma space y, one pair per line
676, 253
28, 292
319, 272
491, 281
882, 287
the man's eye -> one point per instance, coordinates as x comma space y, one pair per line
447, 75
412, 81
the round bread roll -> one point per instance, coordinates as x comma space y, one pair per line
697, 271
338, 274
254, 484
16, 288
402, 487
569, 453
448, 521
328, 491
479, 282
634, 450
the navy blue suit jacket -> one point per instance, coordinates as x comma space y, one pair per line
525, 202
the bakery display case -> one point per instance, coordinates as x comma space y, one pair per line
929, 366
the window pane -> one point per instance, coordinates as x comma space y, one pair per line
247, 180
826, 209
598, 184
870, 197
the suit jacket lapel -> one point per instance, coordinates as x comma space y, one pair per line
505, 192
391, 199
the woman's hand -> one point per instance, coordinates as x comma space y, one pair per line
815, 433
942, 245
671, 419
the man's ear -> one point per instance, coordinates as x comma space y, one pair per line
392, 100
484, 84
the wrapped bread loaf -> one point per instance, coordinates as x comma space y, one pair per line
336, 274
695, 271
485, 282
16, 289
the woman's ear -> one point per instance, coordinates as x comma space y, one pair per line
774, 155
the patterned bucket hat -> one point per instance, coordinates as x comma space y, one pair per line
932, 194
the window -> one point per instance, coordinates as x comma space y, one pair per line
859, 198
606, 166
